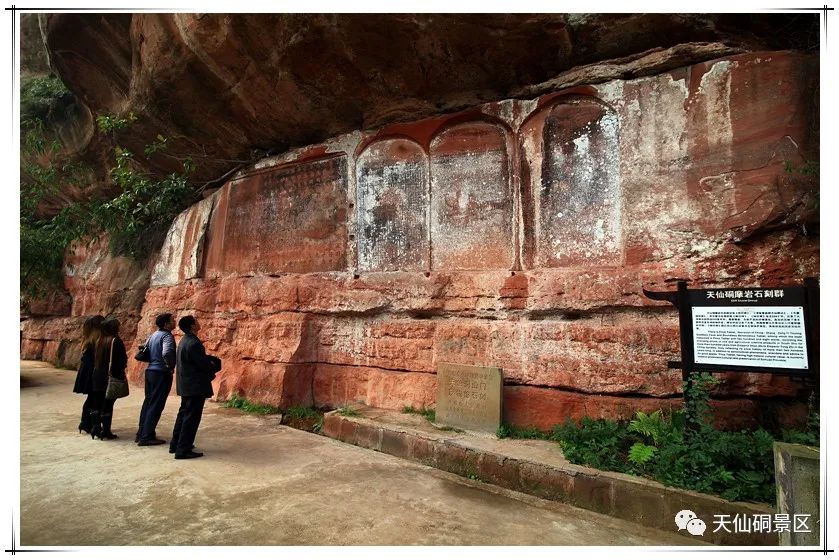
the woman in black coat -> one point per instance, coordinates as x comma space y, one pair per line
109, 358
91, 331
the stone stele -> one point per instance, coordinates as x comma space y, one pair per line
469, 397
798, 491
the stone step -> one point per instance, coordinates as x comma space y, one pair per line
538, 468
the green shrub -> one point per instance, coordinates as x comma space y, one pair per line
599, 443
679, 448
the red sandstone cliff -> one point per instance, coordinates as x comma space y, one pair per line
516, 233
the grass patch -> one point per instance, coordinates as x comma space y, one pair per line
513, 432
301, 416
427, 412
348, 411
245, 405
303, 412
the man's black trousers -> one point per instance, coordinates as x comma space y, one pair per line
158, 384
186, 426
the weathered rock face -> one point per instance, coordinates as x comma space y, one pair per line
222, 87
516, 234
97, 284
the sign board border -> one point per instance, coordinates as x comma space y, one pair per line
808, 298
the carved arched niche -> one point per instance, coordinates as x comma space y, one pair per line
292, 218
472, 203
571, 185
392, 206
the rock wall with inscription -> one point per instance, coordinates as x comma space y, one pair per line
516, 234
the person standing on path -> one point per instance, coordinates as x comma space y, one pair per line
91, 331
158, 379
110, 360
195, 373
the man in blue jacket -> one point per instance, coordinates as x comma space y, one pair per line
196, 371
161, 348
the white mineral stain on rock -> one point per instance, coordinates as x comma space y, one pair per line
167, 269
391, 243
471, 202
715, 87
579, 210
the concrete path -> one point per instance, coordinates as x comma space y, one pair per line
261, 484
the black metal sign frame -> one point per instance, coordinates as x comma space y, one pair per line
685, 300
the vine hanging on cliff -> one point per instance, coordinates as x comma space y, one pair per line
136, 219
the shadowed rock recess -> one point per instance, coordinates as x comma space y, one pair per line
484, 190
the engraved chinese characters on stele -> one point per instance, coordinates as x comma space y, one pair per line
469, 397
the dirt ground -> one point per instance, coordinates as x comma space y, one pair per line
261, 483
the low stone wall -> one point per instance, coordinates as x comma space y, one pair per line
538, 468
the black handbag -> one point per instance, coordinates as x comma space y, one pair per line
143, 354
117, 388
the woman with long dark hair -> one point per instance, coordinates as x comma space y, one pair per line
110, 359
91, 332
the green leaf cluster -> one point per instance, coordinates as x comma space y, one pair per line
113, 123
40, 96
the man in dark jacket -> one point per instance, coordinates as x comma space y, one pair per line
161, 349
196, 371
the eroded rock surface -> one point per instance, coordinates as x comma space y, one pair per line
97, 283
516, 234
227, 88
489, 190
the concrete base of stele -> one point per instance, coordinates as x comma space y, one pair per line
797, 484
539, 468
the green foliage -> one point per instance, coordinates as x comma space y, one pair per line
429, 413
697, 396
112, 123
245, 405
810, 436
39, 97
348, 411
595, 442
641, 453
736, 465
136, 219
140, 215
44, 240
303, 412
508, 431
306, 413
808, 168
156, 146
651, 426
